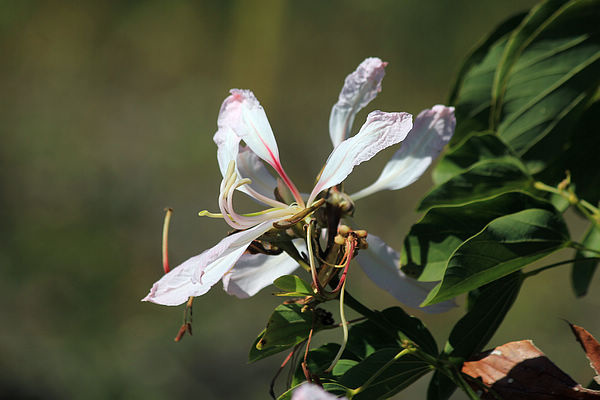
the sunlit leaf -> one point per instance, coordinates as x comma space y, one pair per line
479, 146
472, 91
432, 241
293, 285
504, 246
482, 180
549, 69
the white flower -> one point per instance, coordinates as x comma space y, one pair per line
242, 118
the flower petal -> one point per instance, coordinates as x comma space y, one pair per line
380, 263
433, 129
253, 272
198, 274
250, 166
310, 391
360, 87
381, 130
243, 114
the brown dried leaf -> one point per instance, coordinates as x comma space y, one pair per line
590, 346
520, 371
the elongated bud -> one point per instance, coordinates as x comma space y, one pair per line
165, 240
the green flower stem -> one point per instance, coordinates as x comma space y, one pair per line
580, 247
354, 392
592, 213
541, 269
460, 381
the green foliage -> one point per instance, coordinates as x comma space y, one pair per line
583, 271
432, 241
481, 180
527, 110
293, 286
504, 246
391, 326
289, 325
398, 374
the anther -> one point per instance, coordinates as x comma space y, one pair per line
339, 240
344, 230
361, 233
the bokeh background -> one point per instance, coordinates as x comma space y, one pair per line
107, 111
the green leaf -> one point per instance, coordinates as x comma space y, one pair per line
472, 92
399, 375
549, 70
488, 305
478, 147
287, 326
440, 387
583, 271
482, 180
504, 246
369, 336
293, 286
432, 241
255, 354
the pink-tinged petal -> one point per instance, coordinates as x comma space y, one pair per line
380, 131
360, 87
310, 391
244, 115
432, 131
381, 264
198, 274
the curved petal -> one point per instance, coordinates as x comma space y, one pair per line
198, 274
380, 263
433, 129
243, 114
254, 272
360, 87
380, 131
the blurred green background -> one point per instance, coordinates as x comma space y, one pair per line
107, 111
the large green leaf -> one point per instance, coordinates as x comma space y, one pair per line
432, 241
549, 69
504, 246
369, 336
397, 376
583, 271
472, 91
488, 305
483, 179
478, 147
